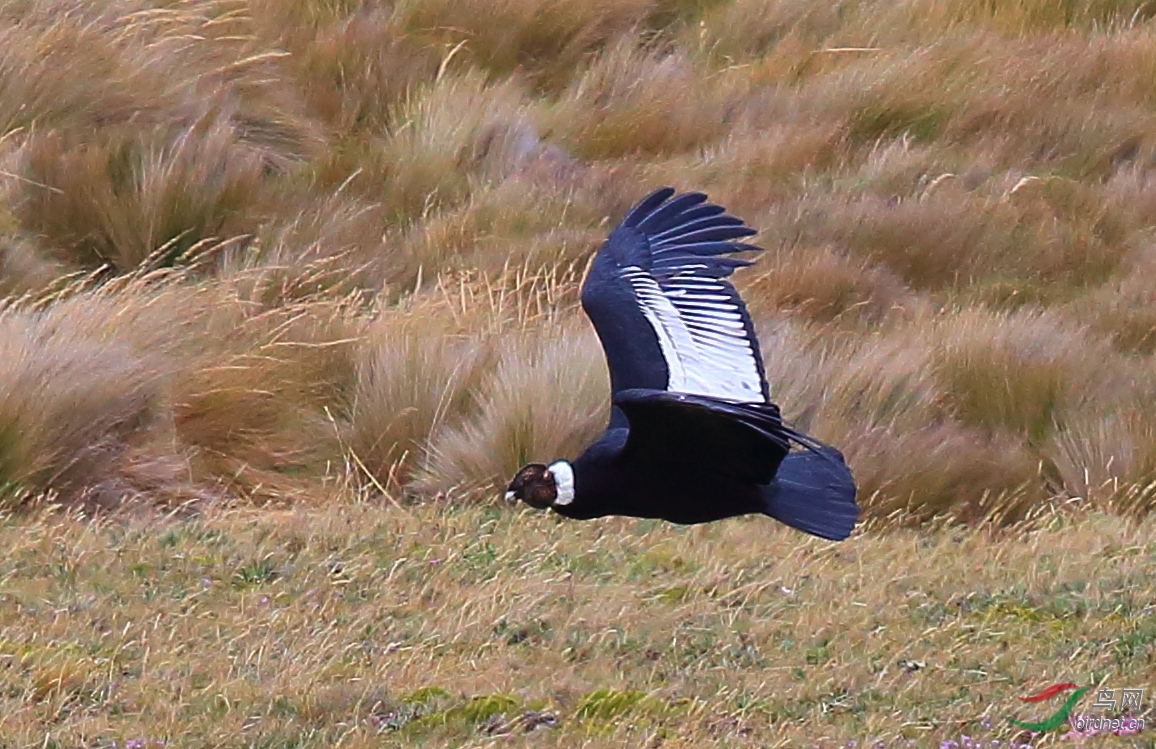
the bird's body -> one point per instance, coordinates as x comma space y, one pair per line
610, 484
693, 434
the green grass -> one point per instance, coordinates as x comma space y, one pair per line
450, 625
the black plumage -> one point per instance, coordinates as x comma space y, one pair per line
693, 434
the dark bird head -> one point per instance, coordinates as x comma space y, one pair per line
542, 486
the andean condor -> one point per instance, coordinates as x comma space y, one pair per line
693, 434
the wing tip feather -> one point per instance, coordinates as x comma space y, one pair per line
646, 206
670, 219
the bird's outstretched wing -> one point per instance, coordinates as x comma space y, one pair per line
658, 295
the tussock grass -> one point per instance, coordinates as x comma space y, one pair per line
520, 417
131, 201
72, 408
1109, 460
1016, 372
1122, 311
417, 370
748, 29
446, 133
332, 246
350, 64
638, 105
199, 380
547, 39
823, 284
376, 218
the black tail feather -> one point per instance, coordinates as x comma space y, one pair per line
814, 492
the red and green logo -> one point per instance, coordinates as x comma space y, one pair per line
1056, 719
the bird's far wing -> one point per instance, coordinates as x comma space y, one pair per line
747, 441
666, 315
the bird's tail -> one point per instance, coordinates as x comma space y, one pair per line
814, 491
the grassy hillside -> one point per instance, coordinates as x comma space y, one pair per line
304, 273
251, 245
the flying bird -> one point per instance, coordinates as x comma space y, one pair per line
693, 434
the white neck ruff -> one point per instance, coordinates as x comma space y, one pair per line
564, 481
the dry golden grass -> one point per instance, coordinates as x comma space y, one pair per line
632, 100
324, 256
971, 179
121, 203
519, 417
416, 372
545, 39
960, 187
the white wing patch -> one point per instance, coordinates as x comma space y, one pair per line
701, 333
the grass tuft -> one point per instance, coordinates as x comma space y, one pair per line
633, 100
398, 406
1016, 372
520, 417
132, 201
73, 408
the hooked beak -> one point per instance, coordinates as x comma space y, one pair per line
510, 497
